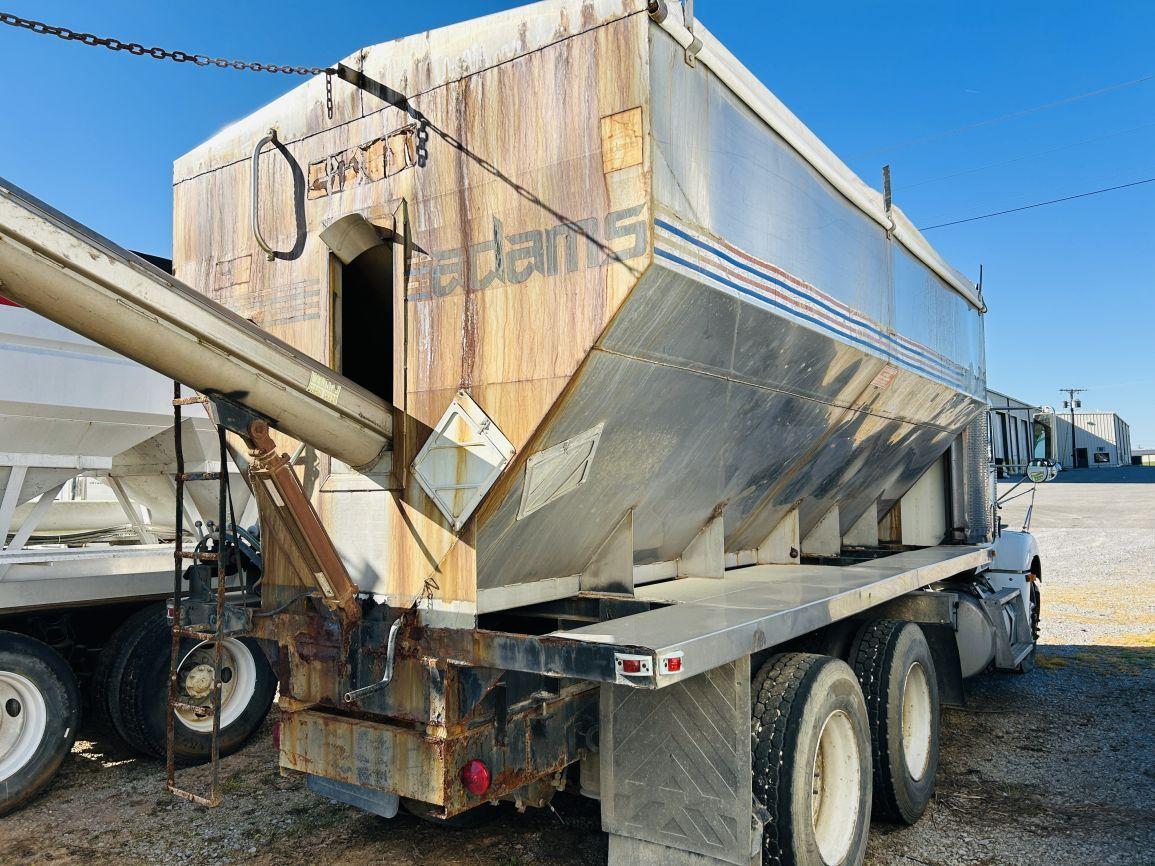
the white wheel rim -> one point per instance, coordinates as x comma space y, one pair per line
239, 684
916, 721
835, 794
23, 721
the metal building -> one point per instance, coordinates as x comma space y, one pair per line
1016, 435
1101, 439
1020, 431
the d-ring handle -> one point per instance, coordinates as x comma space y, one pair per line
270, 137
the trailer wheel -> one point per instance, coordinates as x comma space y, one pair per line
811, 761
138, 695
39, 714
896, 669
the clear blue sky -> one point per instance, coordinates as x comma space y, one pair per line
1069, 287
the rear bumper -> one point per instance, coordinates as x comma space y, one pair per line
527, 750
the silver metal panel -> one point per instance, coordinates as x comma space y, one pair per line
675, 764
716, 621
361, 796
781, 352
44, 577
558, 470
722, 169
711, 403
462, 459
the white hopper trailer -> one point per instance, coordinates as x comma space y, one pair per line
86, 555
650, 427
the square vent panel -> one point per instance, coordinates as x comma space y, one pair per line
556, 471
462, 459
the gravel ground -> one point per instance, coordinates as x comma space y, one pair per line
1054, 768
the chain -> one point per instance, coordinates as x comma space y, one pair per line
138, 50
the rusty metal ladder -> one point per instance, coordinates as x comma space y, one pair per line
181, 631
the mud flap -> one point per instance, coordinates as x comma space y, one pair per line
675, 771
367, 799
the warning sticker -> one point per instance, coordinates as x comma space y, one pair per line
326, 389
885, 377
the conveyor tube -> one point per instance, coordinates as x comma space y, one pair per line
74, 277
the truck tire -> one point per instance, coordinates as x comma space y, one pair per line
811, 761
1028, 664
894, 664
101, 708
138, 693
39, 715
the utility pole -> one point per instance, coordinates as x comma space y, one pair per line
1072, 404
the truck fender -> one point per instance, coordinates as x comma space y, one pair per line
1016, 553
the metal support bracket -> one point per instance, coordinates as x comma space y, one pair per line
696, 44
612, 568
705, 555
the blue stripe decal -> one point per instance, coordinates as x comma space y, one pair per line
795, 290
826, 326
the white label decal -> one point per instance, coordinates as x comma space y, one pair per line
326, 389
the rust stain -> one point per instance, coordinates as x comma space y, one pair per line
506, 182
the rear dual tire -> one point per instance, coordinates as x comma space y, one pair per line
132, 683
812, 761
894, 665
833, 743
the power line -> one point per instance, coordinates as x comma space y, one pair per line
1110, 88
1038, 204
1024, 157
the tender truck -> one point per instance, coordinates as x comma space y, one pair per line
654, 452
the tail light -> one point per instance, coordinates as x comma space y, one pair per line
475, 777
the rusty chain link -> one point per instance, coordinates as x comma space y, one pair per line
138, 50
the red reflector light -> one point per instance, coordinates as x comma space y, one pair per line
475, 777
631, 666
674, 664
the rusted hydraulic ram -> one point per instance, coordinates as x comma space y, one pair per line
281, 498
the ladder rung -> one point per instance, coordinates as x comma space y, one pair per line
197, 635
190, 401
192, 708
192, 554
197, 476
211, 801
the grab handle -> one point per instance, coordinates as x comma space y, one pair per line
270, 137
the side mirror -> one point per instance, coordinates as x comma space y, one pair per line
1040, 470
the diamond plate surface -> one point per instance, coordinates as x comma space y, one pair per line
675, 763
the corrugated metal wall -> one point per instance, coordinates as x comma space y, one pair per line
1100, 433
